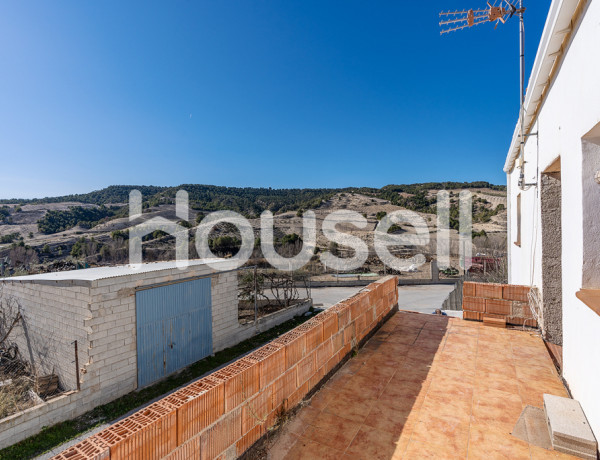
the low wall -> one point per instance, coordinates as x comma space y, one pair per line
503, 301
226, 412
264, 323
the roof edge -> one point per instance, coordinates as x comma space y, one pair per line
541, 71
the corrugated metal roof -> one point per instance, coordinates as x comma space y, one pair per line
98, 273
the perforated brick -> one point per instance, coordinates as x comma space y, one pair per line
271, 361
314, 334
248, 440
498, 307
283, 388
474, 304
203, 410
241, 382
518, 293
223, 434
330, 323
469, 289
324, 352
343, 312
88, 449
472, 315
255, 411
295, 347
488, 290
306, 368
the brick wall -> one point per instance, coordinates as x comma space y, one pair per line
503, 301
227, 411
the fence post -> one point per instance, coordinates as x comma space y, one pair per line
255, 295
77, 367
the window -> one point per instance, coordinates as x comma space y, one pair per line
518, 240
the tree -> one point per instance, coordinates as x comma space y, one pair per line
291, 238
380, 215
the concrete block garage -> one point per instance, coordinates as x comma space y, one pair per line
133, 327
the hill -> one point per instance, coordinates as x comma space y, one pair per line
92, 227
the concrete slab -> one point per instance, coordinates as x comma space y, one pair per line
569, 429
423, 299
532, 427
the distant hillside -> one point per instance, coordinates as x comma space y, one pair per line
93, 228
248, 200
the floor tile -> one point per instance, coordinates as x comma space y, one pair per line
427, 388
487, 443
373, 444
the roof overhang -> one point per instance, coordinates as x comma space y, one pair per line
558, 29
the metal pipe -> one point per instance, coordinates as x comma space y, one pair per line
522, 96
255, 295
77, 366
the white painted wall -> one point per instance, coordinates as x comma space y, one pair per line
570, 111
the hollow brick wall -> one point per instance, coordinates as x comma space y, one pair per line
226, 412
505, 301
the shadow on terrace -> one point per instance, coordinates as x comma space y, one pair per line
426, 386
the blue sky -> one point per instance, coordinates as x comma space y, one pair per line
273, 93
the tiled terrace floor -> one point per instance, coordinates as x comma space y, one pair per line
427, 387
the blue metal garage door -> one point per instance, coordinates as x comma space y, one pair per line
174, 328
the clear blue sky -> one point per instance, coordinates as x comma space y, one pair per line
272, 93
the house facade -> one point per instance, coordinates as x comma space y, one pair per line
554, 195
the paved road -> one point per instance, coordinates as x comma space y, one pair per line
424, 299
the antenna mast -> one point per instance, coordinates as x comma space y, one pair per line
456, 20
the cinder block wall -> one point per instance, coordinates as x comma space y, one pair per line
53, 317
226, 412
101, 316
112, 369
504, 301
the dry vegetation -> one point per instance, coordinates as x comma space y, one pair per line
26, 249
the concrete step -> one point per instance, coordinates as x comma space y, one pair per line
569, 429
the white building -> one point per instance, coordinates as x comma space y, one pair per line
554, 194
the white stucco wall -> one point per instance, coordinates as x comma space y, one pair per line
570, 111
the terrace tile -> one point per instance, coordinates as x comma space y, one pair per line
427, 387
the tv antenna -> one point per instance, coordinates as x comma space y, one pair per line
456, 20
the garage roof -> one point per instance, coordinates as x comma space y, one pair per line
98, 273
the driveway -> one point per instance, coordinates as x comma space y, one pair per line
424, 299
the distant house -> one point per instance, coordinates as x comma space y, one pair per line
554, 195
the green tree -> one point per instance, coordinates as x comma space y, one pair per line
291, 238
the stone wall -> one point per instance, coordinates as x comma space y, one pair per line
550, 198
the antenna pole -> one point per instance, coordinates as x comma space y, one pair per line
522, 89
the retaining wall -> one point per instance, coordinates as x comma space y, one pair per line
502, 301
226, 412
